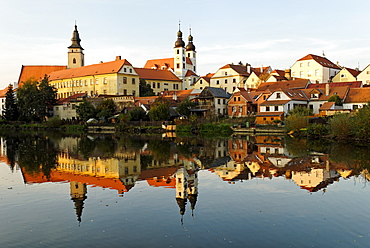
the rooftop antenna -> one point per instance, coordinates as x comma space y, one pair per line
323, 53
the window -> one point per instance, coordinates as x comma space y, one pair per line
125, 92
316, 72
178, 51
234, 99
133, 81
301, 65
153, 86
234, 80
74, 61
308, 63
225, 81
86, 83
175, 86
91, 81
276, 108
278, 95
343, 75
124, 80
158, 85
130, 70
97, 81
201, 82
124, 69
219, 101
241, 109
218, 82
239, 98
355, 107
104, 92
224, 101
104, 80
189, 55
301, 74
178, 66
133, 92
267, 108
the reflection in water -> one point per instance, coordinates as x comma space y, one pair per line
119, 162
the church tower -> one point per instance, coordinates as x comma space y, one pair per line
75, 51
179, 58
191, 53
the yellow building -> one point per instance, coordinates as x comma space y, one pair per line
346, 75
111, 78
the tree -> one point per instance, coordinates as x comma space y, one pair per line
35, 100
136, 114
10, 112
106, 108
85, 110
335, 98
184, 107
160, 110
145, 89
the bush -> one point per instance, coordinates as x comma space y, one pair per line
340, 126
296, 122
317, 129
54, 122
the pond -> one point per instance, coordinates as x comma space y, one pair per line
154, 191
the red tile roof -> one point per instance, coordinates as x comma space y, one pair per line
37, 72
354, 72
356, 84
167, 63
68, 99
293, 84
96, 69
321, 60
152, 74
340, 91
359, 95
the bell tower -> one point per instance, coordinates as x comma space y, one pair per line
191, 53
179, 58
75, 51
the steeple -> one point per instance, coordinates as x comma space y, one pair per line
76, 39
190, 46
179, 42
75, 51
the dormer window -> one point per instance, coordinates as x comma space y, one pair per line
315, 95
278, 95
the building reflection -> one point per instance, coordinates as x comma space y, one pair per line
175, 163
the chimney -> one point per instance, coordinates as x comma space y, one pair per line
261, 68
287, 74
327, 89
248, 68
118, 58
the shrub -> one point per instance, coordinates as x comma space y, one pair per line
54, 122
317, 129
340, 126
296, 122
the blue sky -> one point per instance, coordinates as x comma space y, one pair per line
269, 32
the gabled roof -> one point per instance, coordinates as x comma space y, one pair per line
190, 73
218, 92
293, 84
95, 69
358, 95
340, 91
321, 60
72, 98
259, 70
168, 63
356, 84
327, 106
152, 74
37, 72
3, 92
354, 72
240, 69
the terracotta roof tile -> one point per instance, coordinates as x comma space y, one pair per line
152, 74
321, 60
37, 72
359, 95
96, 69
293, 84
356, 84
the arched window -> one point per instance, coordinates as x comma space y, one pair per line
74, 60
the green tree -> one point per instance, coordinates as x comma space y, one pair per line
10, 112
160, 110
184, 107
145, 89
361, 122
335, 98
28, 100
85, 110
35, 100
106, 109
136, 114
339, 125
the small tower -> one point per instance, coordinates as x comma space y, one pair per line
75, 51
179, 58
191, 53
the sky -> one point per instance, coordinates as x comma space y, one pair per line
269, 33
